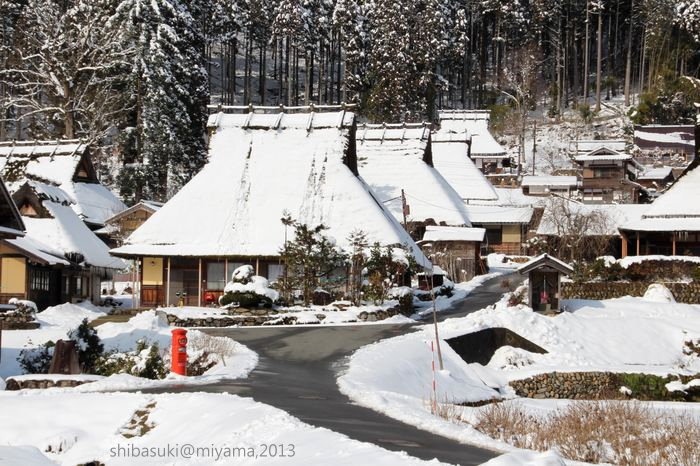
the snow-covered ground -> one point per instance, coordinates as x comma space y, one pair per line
630, 335
42, 427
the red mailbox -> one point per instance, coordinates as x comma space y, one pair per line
179, 351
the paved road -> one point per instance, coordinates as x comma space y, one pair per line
298, 369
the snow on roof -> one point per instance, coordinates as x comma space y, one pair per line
602, 153
39, 250
50, 161
494, 215
273, 118
514, 197
11, 220
676, 209
546, 259
440, 233
94, 202
616, 216
655, 173
233, 206
66, 232
565, 181
55, 163
49, 192
393, 158
585, 146
665, 138
475, 123
451, 160
151, 206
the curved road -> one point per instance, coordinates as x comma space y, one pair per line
297, 373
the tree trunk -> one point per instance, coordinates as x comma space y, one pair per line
586, 55
599, 68
628, 65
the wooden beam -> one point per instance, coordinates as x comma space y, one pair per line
257, 266
673, 243
199, 290
167, 286
623, 239
637, 243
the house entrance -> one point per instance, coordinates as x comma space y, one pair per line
184, 278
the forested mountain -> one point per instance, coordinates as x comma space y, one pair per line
135, 76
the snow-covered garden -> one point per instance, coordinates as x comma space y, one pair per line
645, 341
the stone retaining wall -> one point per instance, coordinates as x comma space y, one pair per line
14, 320
683, 292
570, 385
13, 384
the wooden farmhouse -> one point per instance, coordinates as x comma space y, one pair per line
609, 176
263, 163
506, 227
488, 155
55, 189
666, 141
671, 224
450, 154
397, 162
586, 146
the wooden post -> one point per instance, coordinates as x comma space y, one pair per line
623, 240
674, 243
199, 289
637, 243
167, 286
257, 266
226, 270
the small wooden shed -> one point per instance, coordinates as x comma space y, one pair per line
544, 277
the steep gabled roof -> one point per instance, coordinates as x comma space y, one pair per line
476, 123
58, 226
393, 158
149, 206
11, 225
450, 148
65, 164
256, 172
602, 153
584, 146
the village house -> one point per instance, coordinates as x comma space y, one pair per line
264, 163
397, 162
609, 176
666, 142
121, 225
545, 185
506, 227
486, 153
450, 151
585, 146
66, 164
55, 189
671, 224
656, 178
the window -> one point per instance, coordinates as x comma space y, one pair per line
274, 272
494, 235
216, 276
40, 280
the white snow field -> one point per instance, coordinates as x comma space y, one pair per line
630, 335
54, 427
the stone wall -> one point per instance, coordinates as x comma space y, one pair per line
14, 320
13, 384
569, 385
683, 292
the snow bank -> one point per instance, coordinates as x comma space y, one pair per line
87, 427
628, 334
527, 458
23, 456
625, 262
69, 315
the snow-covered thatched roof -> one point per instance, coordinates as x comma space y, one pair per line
476, 123
62, 163
58, 231
677, 209
450, 149
499, 215
262, 165
393, 158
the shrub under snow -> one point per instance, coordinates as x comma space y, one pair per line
248, 290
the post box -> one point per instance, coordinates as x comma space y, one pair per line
179, 351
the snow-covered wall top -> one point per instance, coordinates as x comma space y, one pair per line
396, 159
234, 206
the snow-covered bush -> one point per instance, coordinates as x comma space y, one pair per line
659, 293
36, 360
404, 295
24, 306
248, 290
89, 346
145, 361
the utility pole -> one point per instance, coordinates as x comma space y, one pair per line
405, 209
599, 60
435, 321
